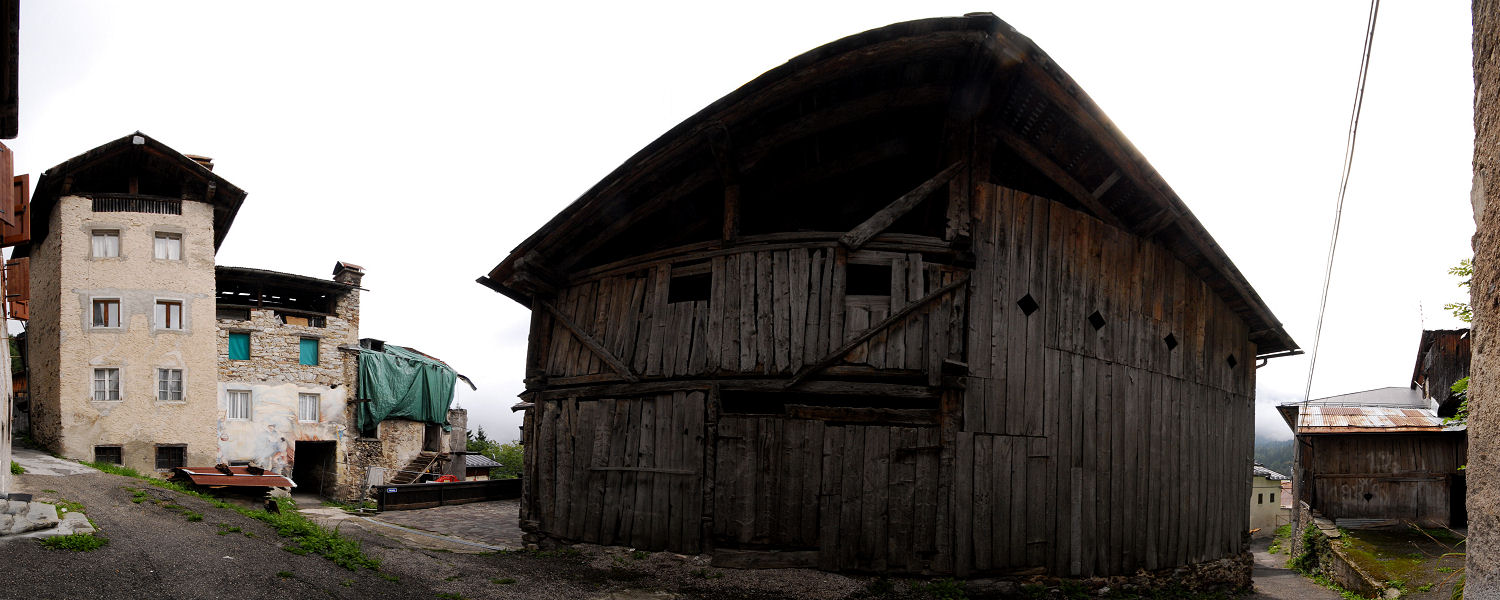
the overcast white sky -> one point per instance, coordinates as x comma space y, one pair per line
425, 140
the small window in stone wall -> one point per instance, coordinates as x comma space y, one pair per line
239, 346
171, 457
107, 454
308, 352
307, 407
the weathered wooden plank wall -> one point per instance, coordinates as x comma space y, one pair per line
1089, 446
1406, 476
1102, 426
620, 471
768, 312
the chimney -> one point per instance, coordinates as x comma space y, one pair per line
208, 163
348, 273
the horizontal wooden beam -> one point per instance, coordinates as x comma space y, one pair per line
604, 354
1041, 162
645, 388
883, 218
857, 414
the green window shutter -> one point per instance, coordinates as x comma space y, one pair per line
309, 351
239, 346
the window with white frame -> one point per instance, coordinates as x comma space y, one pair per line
168, 314
168, 245
106, 385
239, 405
106, 243
307, 407
106, 312
169, 385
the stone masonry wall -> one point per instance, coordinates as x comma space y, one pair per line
1484, 386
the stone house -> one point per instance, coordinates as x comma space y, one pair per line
1483, 561
143, 352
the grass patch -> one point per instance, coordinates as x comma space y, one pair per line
284, 574
451, 596
75, 542
66, 506
388, 577
16, 468
503, 580
1282, 541
706, 574
306, 536
193, 516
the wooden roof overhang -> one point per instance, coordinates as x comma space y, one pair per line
242, 286
133, 154
910, 78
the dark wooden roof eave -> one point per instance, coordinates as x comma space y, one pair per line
226, 198
1012, 50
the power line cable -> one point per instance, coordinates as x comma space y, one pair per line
1338, 211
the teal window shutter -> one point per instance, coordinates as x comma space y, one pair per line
309, 351
239, 346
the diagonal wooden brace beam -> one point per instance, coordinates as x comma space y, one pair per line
604, 354
895, 210
864, 336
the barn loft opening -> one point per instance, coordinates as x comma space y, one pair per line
867, 280
690, 288
1096, 320
1170, 341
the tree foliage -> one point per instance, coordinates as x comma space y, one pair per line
1462, 310
510, 455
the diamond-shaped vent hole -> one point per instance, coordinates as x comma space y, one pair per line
1171, 341
1028, 305
1232, 362
1097, 320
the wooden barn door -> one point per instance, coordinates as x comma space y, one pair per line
622, 471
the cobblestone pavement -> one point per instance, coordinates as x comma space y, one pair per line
495, 523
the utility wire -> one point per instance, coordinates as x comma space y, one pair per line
1338, 211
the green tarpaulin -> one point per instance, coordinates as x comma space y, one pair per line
398, 382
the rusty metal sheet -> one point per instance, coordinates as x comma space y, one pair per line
240, 477
1368, 419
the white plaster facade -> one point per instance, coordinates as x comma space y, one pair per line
67, 347
1266, 511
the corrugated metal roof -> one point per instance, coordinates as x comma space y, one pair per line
1262, 471
479, 461
1368, 419
241, 477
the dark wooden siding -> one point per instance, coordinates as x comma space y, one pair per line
769, 312
1083, 447
1406, 476
1096, 450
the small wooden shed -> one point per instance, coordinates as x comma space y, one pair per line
907, 303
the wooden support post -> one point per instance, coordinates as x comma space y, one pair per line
604, 354
895, 210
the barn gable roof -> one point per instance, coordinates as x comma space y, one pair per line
1035, 115
105, 169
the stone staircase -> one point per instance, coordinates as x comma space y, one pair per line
414, 469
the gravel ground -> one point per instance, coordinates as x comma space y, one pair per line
155, 551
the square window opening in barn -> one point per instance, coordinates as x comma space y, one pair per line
239, 345
1096, 321
1231, 361
690, 288
867, 280
1027, 304
171, 456
1170, 341
106, 243
168, 246
107, 455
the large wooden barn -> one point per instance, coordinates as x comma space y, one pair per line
907, 303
